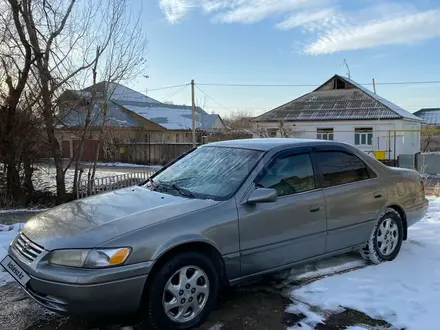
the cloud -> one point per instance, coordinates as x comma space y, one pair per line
327, 26
175, 10
234, 11
404, 30
251, 11
303, 18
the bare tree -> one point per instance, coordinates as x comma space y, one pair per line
289, 132
56, 42
123, 60
430, 139
240, 122
16, 58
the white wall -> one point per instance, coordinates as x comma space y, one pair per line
383, 139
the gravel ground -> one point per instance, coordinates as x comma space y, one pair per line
248, 308
252, 307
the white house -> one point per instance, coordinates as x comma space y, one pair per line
342, 110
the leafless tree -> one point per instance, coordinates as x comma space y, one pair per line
16, 59
430, 139
55, 41
289, 132
123, 60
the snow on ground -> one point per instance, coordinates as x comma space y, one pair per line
320, 268
36, 210
45, 178
405, 292
7, 234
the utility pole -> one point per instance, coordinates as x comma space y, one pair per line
193, 114
378, 120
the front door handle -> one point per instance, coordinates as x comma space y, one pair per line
378, 194
315, 208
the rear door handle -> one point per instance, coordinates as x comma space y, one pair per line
315, 208
378, 194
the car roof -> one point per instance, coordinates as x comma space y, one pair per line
266, 144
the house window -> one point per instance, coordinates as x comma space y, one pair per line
272, 132
363, 136
324, 134
339, 84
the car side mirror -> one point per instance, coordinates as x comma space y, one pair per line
263, 195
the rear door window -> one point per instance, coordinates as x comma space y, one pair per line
339, 167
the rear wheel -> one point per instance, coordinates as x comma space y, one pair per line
182, 293
385, 240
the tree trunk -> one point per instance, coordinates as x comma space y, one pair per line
49, 119
13, 186
54, 145
28, 185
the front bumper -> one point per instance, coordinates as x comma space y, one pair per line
118, 297
85, 292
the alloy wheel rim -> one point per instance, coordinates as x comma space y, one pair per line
186, 294
387, 236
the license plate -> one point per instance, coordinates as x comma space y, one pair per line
15, 270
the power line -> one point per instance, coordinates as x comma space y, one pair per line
316, 85
173, 93
212, 98
165, 87
280, 85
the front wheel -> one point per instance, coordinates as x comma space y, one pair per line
385, 240
182, 293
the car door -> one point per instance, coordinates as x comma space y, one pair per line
352, 193
292, 228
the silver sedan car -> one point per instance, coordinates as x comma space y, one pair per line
221, 214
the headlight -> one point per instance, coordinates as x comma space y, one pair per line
98, 258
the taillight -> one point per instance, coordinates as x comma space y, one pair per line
422, 185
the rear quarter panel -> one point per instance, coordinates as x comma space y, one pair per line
405, 191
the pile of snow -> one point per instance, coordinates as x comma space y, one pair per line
405, 292
7, 234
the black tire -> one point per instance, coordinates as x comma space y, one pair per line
372, 252
154, 312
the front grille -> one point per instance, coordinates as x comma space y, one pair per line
26, 248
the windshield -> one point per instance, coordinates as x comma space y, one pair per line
208, 172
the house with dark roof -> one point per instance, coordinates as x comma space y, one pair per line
132, 121
343, 110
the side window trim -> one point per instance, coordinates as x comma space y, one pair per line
320, 175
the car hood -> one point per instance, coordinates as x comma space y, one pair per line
89, 222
